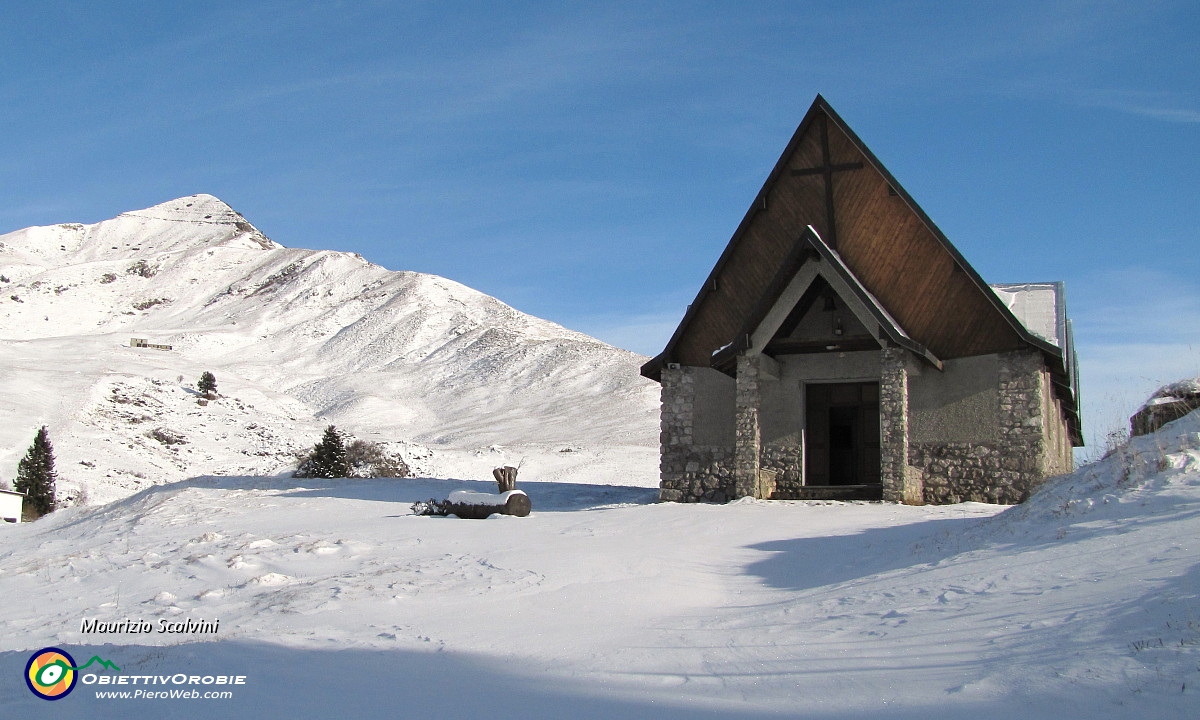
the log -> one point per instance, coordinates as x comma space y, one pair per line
506, 478
478, 506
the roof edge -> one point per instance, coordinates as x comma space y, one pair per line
938, 235
818, 105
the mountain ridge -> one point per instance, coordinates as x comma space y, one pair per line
408, 356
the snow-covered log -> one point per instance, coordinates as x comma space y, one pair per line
477, 506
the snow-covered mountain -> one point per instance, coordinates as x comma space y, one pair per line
297, 339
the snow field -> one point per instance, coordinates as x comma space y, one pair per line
1081, 603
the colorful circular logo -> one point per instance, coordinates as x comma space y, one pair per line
50, 674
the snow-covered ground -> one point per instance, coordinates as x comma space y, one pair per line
334, 599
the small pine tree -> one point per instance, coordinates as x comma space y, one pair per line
36, 476
328, 459
208, 383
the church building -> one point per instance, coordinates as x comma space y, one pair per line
842, 348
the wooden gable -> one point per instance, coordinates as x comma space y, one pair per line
827, 179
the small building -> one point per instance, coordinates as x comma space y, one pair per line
1168, 404
843, 348
11, 505
143, 343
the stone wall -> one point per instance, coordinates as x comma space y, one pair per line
705, 475
746, 431
900, 483
976, 472
786, 461
689, 472
1004, 471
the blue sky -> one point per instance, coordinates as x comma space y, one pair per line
587, 162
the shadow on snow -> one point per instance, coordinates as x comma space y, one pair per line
284, 682
545, 496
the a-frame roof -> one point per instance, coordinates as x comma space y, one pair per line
828, 179
812, 249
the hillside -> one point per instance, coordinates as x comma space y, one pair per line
297, 339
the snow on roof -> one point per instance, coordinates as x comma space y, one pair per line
1039, 307
1175, 391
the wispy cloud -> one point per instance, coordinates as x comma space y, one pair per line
1137, 304
1167, 114
1168, 107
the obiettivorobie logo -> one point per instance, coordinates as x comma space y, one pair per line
51, 673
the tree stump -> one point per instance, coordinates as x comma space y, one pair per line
478, 506
506, 478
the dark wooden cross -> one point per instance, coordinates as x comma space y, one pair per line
828, 168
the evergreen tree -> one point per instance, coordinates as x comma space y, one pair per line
208, 383
36, 477
328, 459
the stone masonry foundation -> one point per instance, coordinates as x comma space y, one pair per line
687, 472
1006, 471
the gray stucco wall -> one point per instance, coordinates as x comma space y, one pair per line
781, 405
828, 367
712, 407
959, 404
819, 324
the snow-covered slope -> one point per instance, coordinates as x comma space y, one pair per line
297, 339
334, 601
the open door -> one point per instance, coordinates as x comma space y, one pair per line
842, 434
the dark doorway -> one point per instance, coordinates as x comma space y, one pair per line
842, 434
